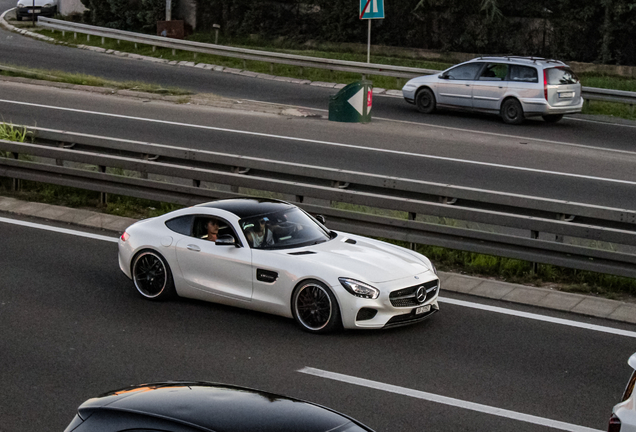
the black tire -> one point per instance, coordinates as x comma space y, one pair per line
552, 118
425, 101
315, 308
18, 17
152, 276
512, 112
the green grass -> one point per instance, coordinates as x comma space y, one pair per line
9, 132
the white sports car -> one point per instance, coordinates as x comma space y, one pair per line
272, 256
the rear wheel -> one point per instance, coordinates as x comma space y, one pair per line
552, 118
425, 101
315, 307
152, 276
512, 112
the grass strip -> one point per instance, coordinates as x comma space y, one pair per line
88, 80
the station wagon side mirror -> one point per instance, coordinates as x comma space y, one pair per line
443, 76
225, 240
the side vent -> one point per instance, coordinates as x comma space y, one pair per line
302, 253
266, 275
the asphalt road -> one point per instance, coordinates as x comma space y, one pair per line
497, 162
74, 327
22, 51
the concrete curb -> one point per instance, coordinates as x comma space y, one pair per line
541, 297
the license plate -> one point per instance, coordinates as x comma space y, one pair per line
34, 11
566, 94
422, 309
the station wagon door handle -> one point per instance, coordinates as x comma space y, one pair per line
194, 248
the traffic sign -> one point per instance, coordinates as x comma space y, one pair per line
371, 9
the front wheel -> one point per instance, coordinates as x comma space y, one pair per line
315, 307
18, 17
512, 112
151, 276
552, 118
425, 101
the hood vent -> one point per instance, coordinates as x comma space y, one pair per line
302, 253
350, 241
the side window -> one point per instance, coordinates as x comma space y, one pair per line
523, 74
204, 225
494, 72
181, 224
464, 72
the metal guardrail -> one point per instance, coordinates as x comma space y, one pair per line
242, 53
588, 93
314, 188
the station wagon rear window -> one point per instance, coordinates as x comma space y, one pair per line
523, 74
561, 75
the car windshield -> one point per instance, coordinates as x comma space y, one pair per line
561, 76
285, 229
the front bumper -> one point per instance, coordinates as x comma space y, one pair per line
29, 11
386, 312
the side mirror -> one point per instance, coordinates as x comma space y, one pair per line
225, 240
321, 219
443, 76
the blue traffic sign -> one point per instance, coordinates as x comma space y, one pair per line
371, 9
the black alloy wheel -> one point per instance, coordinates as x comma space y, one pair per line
315, 307
152, 276
552, 118
512, 112
425, 101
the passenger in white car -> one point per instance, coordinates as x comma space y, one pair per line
260, 235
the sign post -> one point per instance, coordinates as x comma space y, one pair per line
371, 9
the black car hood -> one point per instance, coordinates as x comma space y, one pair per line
218, 407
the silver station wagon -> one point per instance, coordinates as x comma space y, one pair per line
513, 87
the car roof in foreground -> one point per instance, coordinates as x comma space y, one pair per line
219, 407
248, 207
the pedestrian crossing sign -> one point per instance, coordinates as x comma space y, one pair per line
371, 9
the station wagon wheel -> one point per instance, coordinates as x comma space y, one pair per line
512, 112
425, 101
552, 118
315, 307
151, 276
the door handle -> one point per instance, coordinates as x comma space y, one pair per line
194, 248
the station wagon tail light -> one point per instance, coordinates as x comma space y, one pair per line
125, 236
614, 424
545, 84
359, 289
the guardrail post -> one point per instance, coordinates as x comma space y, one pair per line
535, 266
244, 64
74, 35
301, 70
88, 38
174, 52
63, 33
154, 48
103, 40
15, 183
271, 68
196, 183
103, 196
412, 217
135, 45
299, 198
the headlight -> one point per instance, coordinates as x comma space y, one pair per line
359, 289
20, 5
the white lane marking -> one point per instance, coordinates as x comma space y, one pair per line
538, 140
538, 317
329, 143
479, 306
59, 230
600, 122
446, 400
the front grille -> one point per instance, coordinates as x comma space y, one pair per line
405, 297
